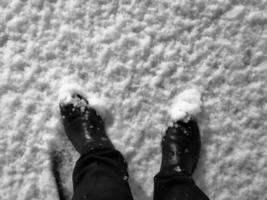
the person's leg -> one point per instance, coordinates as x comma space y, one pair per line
101, 175
101, 171
176, 187
180, 153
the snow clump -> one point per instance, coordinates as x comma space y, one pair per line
68, 91
187, 103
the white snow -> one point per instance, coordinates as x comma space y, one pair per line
67, 91
100, 104
236, 13
187, 103
134, 59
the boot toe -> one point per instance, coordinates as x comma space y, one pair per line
181, 144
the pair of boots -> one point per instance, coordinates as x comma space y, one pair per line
101, 172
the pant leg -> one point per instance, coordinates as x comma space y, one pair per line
176, 187
101, 175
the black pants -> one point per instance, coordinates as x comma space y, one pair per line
102, 175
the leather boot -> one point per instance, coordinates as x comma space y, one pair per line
180, 148
83, 126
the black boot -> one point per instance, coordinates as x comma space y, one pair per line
83, 126
181, 148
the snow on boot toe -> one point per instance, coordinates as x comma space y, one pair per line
181, 143
186, 105
73, 107
83, 126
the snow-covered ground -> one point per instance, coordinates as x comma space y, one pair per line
135, 56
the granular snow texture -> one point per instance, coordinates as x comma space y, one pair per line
138, 55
